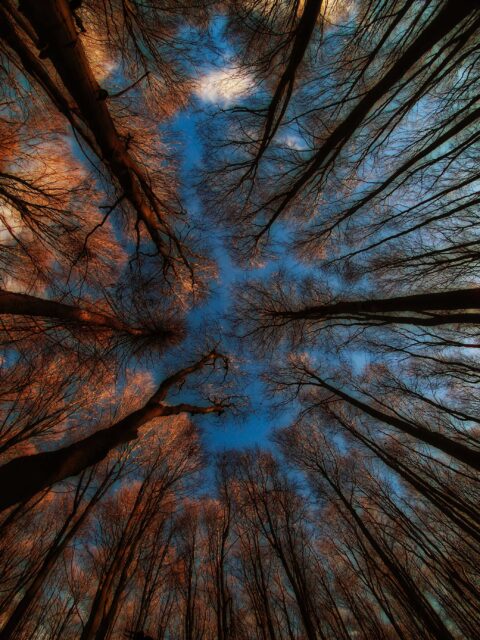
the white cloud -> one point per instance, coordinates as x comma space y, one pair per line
294, 142
224, 86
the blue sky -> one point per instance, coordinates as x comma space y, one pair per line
229, 431
254, 427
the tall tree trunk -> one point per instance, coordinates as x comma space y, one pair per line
445, 136
446, 20
452, 448
105, 586
110, 612
25, 476
35, 69
457, 511
54, 25
426, 614
64, 536
423, 304
20, 304
284, 89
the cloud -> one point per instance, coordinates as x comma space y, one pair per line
224, 86
294, 142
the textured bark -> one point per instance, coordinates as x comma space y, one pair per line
34, 67
15, 40
423, 304
25, 476
396, 574
66, 533
283, 91
450, 506
20, 304
445, 136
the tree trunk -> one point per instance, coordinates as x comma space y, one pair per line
445, 136
284, 89
456, 450
53, 23
20, 304
424, 304
450, 506
422, 608
61, 541
447, 19
23, 477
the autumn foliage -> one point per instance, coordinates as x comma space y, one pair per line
234, 213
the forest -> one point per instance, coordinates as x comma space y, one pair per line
239, 319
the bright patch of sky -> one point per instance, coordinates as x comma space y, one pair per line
294, 141
224, 86
221, 84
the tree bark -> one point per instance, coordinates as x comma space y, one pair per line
25, 476
447, 19
426, 304
20, 304
64, 536
445, 136
418, 603
284, 89
457, 511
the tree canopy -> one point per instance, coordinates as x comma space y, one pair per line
239, 319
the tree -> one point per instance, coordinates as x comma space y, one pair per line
76, 517
44, 469
218, 523
55, 30
271, 505
338, 477
334, 186
302, 374
338, 107
163, 473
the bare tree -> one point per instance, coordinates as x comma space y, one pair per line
44, 469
